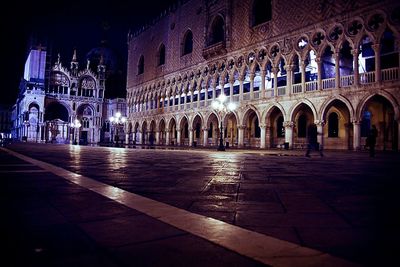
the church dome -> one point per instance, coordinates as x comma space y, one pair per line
110, 58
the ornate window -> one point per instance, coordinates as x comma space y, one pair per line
85, 122
141, 65
217, 33
161, 55
333, 125
187, 44
261, 12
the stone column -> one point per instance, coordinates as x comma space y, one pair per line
241, 135
214, 89
289, 79
320, 131
354, 52
275, 72
190, 136
240, 89
262, 136
198, 95
191, 98
231, 82
252, 75
267, 137
178, 136
377, 50
127, 138
157, 141
289, 133
319, 81
205, 137
337, 70
262, 89
303, 76
167, 137
356, 135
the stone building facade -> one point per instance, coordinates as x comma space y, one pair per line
285, 64
53, 97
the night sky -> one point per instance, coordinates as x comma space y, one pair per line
66, 25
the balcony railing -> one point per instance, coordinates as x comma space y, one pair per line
391, 74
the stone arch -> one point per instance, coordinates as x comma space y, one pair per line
337, 133
296, 106
162, 132
268, 110
274, 121
380, 110
212, 126
252, 131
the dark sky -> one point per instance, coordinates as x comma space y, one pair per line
65, 25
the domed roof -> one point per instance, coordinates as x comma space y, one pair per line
110, 58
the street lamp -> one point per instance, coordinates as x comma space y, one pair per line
75, 125
117, 121
222, 108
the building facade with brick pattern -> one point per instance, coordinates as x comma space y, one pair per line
284, 65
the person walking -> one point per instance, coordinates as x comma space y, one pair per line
371, 140
312, 136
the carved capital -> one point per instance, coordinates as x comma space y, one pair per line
288, 124
319, 122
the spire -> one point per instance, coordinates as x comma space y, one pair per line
101, 59
88, 64
74, 56
58, 58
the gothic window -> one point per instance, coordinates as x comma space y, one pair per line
280, 130
141, 65
187, 44
333, 125
161, 55
85, 122
217, 31
302, 126
261, 12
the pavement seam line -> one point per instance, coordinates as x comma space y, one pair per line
263, 248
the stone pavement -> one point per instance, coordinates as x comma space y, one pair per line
341, 204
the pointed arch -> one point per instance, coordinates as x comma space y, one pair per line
187, 43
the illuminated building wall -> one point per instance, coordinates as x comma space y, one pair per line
286, 64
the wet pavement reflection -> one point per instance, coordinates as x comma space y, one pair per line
330, 204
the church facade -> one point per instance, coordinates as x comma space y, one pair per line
62, 105
284, 65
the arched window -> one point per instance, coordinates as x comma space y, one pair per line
161, 55
141, 65
217, 31
85, 122
280, 130
333, 125
187, 43
302, 126
261, 12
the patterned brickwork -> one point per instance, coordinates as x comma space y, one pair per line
287, 19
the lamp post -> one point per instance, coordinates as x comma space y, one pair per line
75, 125
222, 108
116, 121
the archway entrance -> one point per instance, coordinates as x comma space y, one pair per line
56, 120
379, 111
